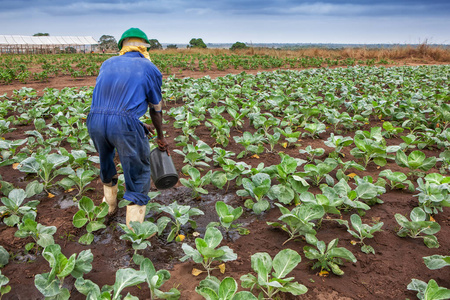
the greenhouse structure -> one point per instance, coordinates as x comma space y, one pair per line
20, 44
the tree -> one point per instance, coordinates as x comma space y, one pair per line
41, 34
196, 43
107, 42
172, 46
238, 45
154, 44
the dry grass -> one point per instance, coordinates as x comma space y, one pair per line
423, 53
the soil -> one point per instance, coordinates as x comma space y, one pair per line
384, 275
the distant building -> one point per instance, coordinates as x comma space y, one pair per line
21, 44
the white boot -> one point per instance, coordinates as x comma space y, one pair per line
110, 193
135, 213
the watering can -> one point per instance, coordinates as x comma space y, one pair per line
163, 172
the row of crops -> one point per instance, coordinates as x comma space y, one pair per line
267, 113
28, 68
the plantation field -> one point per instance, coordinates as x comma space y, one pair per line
321, 149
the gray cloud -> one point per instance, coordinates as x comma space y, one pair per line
343, 8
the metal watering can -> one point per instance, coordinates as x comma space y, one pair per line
163, 172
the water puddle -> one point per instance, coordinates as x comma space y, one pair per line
66, 202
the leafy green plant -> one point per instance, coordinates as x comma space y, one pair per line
51, 284
361, 231
138, 234
155, 279
368, 190
257, 187
390, 130
220, 129
317, 172
196, 182
237, 120
80, 178
314, 129
4, 257
397, 180
230, 170
329, 257
337, 142
213, 289
271, 283
220, 155
330, 205
371, 146
187, 122
290, 136
291, 184
435, 262
93, 216
9, 150
124, 278
253, 143
227, 215
4, 288
312, 152
41, 234
431, 290
44, 166
299, 221
415, 161
13, 210
409, 142
351, 198
206, 252
181, 215
272, 140
428, 291
418, 227
195, 156
434, 193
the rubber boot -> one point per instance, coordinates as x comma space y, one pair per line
135, 213
110, 197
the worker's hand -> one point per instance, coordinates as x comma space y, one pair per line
149, 128
162, 144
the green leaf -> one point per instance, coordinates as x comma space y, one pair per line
207, 293
4, 257
80, 219
219, 179
87, 288
49, 287
294, 288
435, 262
431, 241
126, 278
282, 193
227, 288
86, 239
86, 204
401, 159
285, 261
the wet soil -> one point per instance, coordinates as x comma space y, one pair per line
384, 275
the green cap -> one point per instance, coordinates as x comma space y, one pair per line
133, 32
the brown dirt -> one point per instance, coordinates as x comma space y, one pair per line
384, 275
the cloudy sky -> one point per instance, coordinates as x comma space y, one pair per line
249, 21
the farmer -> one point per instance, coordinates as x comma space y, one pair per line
126, 86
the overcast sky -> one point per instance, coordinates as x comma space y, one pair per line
249, 21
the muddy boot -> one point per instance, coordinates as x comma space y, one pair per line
110, 193
135, 213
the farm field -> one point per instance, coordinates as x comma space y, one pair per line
330, 142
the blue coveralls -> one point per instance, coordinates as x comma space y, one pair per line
125, 87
